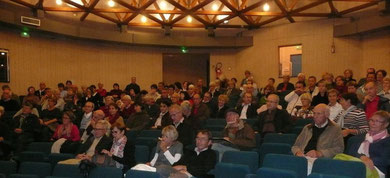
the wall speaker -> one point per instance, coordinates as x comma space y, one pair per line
4, 66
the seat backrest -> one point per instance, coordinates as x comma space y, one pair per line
43, 147
141, 174
286, 162
22, 176
316, 175
32, 156
249, 158
339, 168
229, 170
7, 167
147, 141
150, 133
66, 170
277, 148
35, 168
141, 153
275, 173
280, 138
213, 122
54, 158
106, 172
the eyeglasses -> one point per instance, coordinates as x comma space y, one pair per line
376, 121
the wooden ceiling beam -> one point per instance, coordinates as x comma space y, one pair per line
39, 4
243, 4
284, 11
125, 4
155, 4
356, 8
90, 7
333, 9
24, 3
292, 5
186, 11
139, 11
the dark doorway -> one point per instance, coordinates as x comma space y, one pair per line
178, 67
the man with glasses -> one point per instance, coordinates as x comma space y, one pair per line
183, 128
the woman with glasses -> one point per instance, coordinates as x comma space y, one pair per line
66, 135
373, 148
122, 150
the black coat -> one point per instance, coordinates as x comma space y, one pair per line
251, 112
281, 121
104, 143
185, 133
199, 165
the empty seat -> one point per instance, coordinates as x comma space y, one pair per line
7, 167
43, 147
277, 148
141, 174
339, 168
65, 170
150, 133
248, 158
106, 172
287, 162
275, 173
280, 138
297, 130
54, 158
229, 170
35, 168
141, 153
32, 156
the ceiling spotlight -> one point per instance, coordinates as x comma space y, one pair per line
143, 19
226, 21
220, 17
59, 2
111, 3
2, 54
214, 7
163, 5
189, 19
266, 7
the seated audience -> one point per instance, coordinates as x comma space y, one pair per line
305, 111
352, 119
114, 117
26, 128
207, 100
373, 102
264, 95
139, 120
334, 106
293, 98
362, 81
322, 96
379, 76
348, 76
273, 120
122, 150
175, 98
312, 86
340, 85
186, 109
133, 85
163, 118
86, 117
329, 80
95, 143
197, 162
31, 97
5, 137
285, 85
66, 136
200, 113
107, 101
115, 92
182, 126
50, 119
386, 88
9, 104
42, 90
61, 90
154, 92
96, 117
323, 138
247, 75
352, 87
102, 92
13, 95
150, 106
126, 107
95, 97
361, 92
164, 96
220, 109
247, 109
233, 93
301, 77
373, 148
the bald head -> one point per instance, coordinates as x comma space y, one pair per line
371, 89
321, 114
98, 115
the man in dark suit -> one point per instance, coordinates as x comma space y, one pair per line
200, 112
96, 142
133, 85
233, 93
183, 128
41, 91
272, 120
247, 109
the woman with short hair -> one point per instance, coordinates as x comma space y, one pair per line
306, 110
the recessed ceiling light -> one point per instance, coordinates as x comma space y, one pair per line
226, 21
143, 19
59, 2
111, 3
214, 7
163, 5
189, 19
266, 7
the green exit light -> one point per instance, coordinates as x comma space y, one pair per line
25, 34
184, 49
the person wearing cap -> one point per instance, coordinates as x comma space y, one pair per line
139, 120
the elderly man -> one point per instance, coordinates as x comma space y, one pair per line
96, 117
183, 127
200, 112
294, 97
273, 120
285, 85
361, 92
323, 138
372, 102
7, 102
86, 116
247, 109
96, 142
197, 162
41, 91
133, 85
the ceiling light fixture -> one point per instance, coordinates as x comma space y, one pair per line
226, 21
59, 2
189, 19
111, 3
143, 19
220, 17
266, 7
214, 7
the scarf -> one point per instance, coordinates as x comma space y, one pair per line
117, 149
340, 120
113, 118
365, 146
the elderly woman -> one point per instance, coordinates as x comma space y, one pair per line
385, 88
114, 118
219, 111
306, 110
352, 120
67, 133
122, 150
373, 148
175, 97
186, 109
107, 101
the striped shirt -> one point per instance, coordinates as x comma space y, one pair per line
355, 119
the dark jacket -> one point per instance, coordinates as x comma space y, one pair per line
165, 120
289, 87
282, 122
251, 111
199, 119
128, 159
219, 113
29, 125
138, 121
199, 165
185, 133
244, 138
152, 110
104, 143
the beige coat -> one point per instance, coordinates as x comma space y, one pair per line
329, 143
